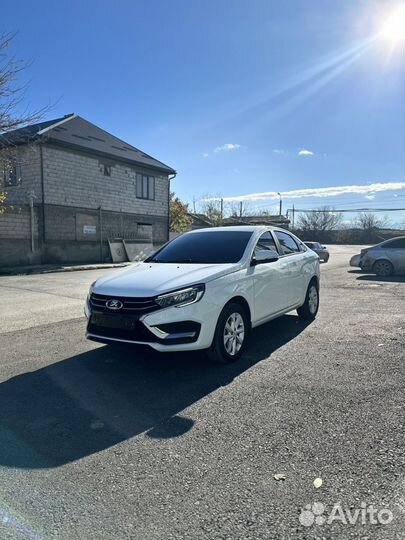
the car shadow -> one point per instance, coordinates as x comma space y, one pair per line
94, 400
384, 279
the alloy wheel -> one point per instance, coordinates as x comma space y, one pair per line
313, 299
234, 333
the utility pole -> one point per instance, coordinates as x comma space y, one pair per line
293, 217
194, 205
222, 209
240, 209
281, 204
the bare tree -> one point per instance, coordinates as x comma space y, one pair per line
12, 95
321, 220
12, 113
211, 206
369, 221
237, 209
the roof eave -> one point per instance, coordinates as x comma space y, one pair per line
166, 169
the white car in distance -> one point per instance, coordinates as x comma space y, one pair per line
206, 289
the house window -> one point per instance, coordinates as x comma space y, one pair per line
145, 186
11, 174
107, 170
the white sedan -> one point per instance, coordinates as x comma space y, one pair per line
206, 290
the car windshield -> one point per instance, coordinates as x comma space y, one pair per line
205, 247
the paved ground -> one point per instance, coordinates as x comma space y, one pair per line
103, 445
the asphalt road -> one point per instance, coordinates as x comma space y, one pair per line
97, 444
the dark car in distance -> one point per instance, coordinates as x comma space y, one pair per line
320, 250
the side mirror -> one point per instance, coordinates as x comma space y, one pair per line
264, 256
324, 247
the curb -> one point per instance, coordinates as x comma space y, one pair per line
49, 269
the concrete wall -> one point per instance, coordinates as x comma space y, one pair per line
15, 236
71, 234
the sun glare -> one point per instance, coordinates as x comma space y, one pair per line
394, 27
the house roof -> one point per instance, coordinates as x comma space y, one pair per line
199, 220
76, 132
257, 220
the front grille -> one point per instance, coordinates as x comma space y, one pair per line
138, 333
135, 306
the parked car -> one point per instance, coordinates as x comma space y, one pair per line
386, 258
206, 289
320, 250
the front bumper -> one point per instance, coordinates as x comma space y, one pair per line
173, 329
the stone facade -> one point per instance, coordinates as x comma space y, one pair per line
77, 206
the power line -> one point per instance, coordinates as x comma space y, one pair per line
351, 210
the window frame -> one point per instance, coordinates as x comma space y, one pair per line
149, 187
276, 247
280, 247
15, 169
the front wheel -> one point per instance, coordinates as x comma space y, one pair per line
230, 335
383, 268
310, 307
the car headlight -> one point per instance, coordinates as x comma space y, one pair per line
181, 298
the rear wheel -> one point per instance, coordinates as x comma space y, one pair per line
310, 307
383, 268
230, 335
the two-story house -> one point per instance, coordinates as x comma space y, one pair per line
71, 187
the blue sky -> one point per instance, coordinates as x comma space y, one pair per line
230, 92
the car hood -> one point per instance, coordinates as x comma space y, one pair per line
151, 279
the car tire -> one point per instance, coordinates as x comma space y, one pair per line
383, 268
230, 336
310, 307
326, 259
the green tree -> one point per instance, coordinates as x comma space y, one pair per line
179, 218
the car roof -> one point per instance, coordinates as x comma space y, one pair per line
246, 228
390, 240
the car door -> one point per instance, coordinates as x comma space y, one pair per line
293, 254
270, 282
395, 250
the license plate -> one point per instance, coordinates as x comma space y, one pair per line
111, 321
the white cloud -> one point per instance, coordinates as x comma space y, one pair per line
277, 151
227, 147
318, 192
205, 154
370, 197
305, 152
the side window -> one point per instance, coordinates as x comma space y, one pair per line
287, 242
145, 186
266, 241
397, 243
11, 174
